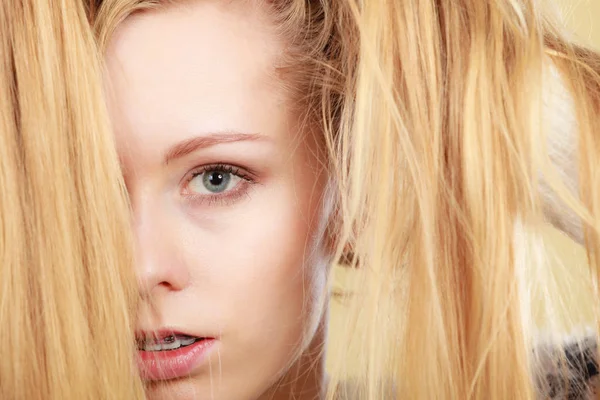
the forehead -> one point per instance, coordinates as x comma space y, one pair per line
202, 66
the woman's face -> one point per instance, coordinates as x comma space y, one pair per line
226, 192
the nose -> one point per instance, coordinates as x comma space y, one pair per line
159, 269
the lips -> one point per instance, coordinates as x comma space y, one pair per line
165, 355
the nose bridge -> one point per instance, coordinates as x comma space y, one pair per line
156, 261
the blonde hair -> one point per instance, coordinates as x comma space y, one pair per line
432, 113
67, 285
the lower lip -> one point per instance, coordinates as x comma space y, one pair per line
173, 364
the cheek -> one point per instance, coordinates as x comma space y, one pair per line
271, 248
257, 261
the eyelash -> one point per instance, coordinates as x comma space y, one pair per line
219, 199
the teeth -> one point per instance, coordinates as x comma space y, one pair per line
187, 341
172, 342
152, 347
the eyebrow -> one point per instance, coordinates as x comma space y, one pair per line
188, 146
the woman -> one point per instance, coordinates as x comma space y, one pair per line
66, 285
426, 118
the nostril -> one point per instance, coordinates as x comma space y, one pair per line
152, 277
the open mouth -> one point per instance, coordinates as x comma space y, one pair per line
166, 343
163, 355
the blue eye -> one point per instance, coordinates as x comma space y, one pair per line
213, 181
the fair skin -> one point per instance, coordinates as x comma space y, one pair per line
226, 190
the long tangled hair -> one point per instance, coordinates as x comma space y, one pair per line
435, 117
66, 279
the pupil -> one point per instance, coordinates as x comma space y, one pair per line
216, 178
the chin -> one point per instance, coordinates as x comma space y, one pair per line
177, 389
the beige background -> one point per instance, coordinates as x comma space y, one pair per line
582, 16
567, 259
